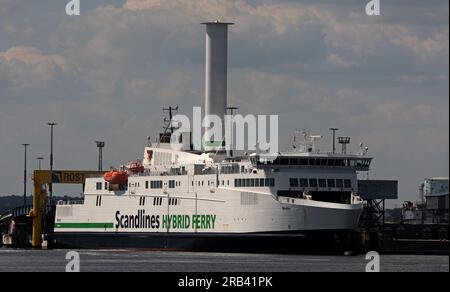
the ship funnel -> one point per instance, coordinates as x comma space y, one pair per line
216, 79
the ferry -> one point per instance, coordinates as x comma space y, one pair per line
210, 200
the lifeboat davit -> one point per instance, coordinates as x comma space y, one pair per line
135, 167
116, 177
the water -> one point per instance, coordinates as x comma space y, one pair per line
13, 260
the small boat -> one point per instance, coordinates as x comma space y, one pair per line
116, 177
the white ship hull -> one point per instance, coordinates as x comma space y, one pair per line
225, 219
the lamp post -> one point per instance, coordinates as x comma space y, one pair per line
334, 138
25, 175
50, 186
100, 145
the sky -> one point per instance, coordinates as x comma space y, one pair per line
106, 75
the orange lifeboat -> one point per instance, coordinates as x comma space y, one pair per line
116, 177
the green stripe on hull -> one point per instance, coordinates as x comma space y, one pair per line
84, 225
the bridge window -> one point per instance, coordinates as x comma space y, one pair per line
293, 182
331, 183
293, 161
340, 162
99, 186
322, 183
348, 184
303, 183
323, 162
303, 161
339, 183
313, 183
254, 182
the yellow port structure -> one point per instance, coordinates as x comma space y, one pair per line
45, 177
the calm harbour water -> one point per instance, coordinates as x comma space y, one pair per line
14, 260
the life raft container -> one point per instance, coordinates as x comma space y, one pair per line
116, 177
135, 167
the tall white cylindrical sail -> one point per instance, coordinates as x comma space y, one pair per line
216, 80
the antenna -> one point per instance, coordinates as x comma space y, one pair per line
295, 138
170, 109
344, 141
100, 145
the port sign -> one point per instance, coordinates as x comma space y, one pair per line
72, 176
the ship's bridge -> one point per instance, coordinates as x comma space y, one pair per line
314, 160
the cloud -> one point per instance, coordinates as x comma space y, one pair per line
108, 73
337, 60
27, 70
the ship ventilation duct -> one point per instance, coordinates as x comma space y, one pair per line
216, 78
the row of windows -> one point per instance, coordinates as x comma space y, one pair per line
158, 184
99, 201
98, 186
157, 201
229, 169
173, 201
154, 184
321, 183
254, 182
322, 162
